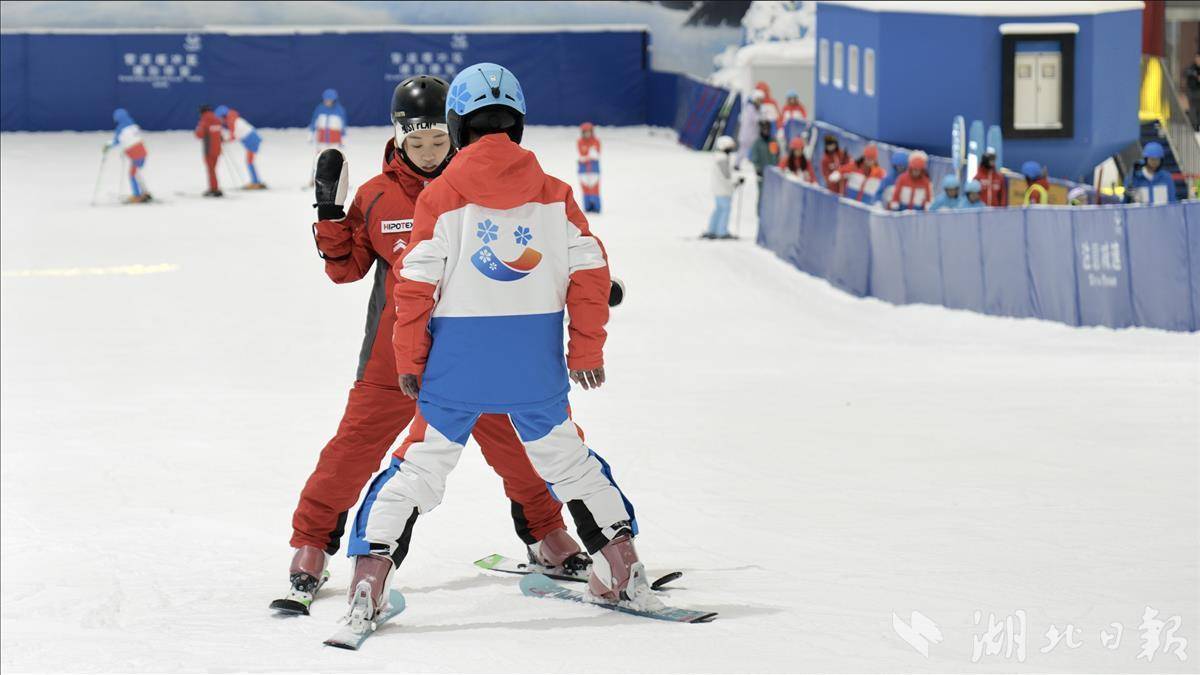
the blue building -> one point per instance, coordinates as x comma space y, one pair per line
1061, 78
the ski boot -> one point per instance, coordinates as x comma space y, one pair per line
559, 554
618, 578
213, 193
308, 573
368, 592
255, 186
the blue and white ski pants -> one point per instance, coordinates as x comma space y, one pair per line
415, 480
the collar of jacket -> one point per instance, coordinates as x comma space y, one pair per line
496, 173
397, 170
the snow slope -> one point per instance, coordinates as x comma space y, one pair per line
814, 462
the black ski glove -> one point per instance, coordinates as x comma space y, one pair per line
331, 180
616, 292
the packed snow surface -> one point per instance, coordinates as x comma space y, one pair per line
812, 462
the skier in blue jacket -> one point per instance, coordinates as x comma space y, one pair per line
951, 197
1150, 183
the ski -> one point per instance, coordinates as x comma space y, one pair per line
348, 638
540, 586
500, 563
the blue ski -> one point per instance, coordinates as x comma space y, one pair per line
348, 638
541, 586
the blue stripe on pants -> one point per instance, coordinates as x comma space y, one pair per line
358, 544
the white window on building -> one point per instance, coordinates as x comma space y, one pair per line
823, 61
839, 65
852, 68
869, 71
1037, 90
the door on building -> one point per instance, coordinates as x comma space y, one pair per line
1037, 89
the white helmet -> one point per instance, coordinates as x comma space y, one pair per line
725, 144
757, 95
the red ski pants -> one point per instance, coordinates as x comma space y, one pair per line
210, 163
375, 416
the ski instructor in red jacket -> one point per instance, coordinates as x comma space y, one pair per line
208, 130
376, 231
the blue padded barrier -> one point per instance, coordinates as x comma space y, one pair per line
849, 269
1050, 255
1116, 266
962, 261
1158, 262
1102, 270
886, 271
1005, 271
920, 250
1191, 213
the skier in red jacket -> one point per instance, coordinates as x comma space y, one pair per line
376, 231
208, 130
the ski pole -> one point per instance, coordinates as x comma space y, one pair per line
99, 175
121, 179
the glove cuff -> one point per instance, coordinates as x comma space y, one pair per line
330, 211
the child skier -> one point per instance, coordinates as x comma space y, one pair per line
950, 197
240, 129
208, 130
913, 189
724, 182
973, 192
128, 136
899, 162
376, 230
1037, 186
860, 179
1151, 183
327, 126
589, 167
991, 180
486, 344
796, 162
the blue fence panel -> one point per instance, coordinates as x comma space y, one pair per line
850, 267
1158, 267
819, 232
962, 261
276, 79
1191, 214
1102, 270
920, 249
1005, 271
662, 98
14, 91
887, 259
1049, 234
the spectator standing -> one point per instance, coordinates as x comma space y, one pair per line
913, 189
764, 153
796, 162
950, 197
860, 179
992, 183
724, 182
1150, 183
1037, 186
832, 159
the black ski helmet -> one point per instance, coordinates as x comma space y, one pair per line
419, 103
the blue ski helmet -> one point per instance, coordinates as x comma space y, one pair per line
485, 97
950, 182
972, 186
1031, 170
900, 160
1152, 150
221, 111
121, 115
329, 95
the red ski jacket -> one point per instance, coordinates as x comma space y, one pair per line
376, 231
